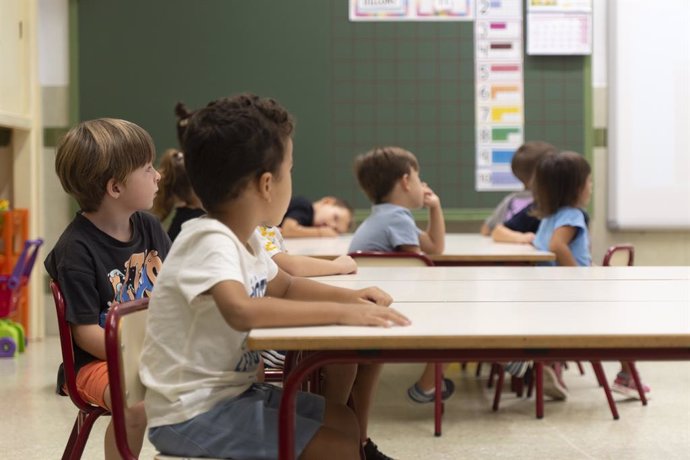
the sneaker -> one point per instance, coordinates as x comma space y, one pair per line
625, 385
553, 385
517, 368
372, 452
418, 395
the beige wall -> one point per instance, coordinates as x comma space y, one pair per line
651, 247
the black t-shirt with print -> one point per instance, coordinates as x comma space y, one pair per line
302, 210
94, 269
182, 215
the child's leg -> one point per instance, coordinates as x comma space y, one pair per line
363, 395
338, 380
337, 438
135, 424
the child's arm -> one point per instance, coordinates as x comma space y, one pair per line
433, 240
312, 266
90, 338
292, 229
243, 313
560, 239
503, 234
309, 290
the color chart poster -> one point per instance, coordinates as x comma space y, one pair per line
411, 10
499, 98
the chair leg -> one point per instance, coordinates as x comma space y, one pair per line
580, 368
463, 366
492, 374
529, 376
638, 382
438, 398
539, 377
499, 387
479, 369
80, 434
601, 375
519, 386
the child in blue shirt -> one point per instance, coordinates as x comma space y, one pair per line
390, 178
562, 187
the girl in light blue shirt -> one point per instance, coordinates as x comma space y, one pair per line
562, 187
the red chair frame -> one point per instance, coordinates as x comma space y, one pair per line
88, 413
438, 367
116, 371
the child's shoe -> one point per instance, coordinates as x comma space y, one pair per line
517, 368
625, 385
554, 387
418, 395
372, 452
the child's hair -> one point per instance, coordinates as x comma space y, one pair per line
232, 141
174, 184
526, 158
95, 151
558, 181
339, 202
183, 115
379, 169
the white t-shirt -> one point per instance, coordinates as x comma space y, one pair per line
192, 359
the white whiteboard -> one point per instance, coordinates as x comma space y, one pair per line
649, 114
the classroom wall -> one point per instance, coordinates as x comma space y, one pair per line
652, 248
54, 77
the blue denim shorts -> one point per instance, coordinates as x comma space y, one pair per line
244, 427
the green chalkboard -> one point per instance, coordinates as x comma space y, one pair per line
351, 86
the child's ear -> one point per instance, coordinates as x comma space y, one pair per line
405, 182
113, 188
265, 184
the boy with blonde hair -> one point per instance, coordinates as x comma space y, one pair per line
111, 252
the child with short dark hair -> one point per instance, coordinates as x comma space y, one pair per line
175, 193
111, 252
522, 164
328, 216
389, 177
202, 398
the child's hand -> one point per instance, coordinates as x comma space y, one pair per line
346, 265
431, 200
374, 295
527, 238
372, 315
327, 231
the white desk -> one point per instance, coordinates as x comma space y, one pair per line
374, 274
528, 290
524, 328
460, 248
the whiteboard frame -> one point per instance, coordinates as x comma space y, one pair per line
632, 206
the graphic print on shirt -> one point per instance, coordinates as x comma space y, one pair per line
137, 281
250, 359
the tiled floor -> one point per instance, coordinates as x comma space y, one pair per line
35, 423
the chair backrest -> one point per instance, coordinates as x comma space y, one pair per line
391, 259
619, 248
125, 329
66, 345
